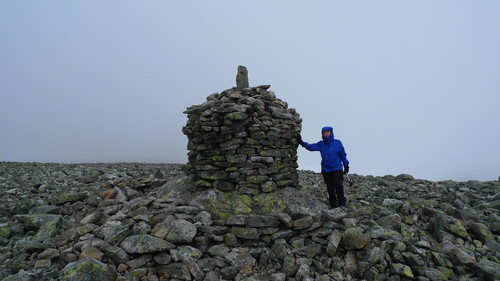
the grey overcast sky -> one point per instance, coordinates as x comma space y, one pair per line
409, 86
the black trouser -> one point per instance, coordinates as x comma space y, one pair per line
333, 181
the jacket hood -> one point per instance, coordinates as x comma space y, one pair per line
331, 137
327, 128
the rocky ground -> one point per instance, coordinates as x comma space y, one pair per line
129, 222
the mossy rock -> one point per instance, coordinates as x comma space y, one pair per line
21, 206
354, 239
269, 203
35, 221
438, 274
70, 197
203, 183
20, 262
257, 179
177, 188
50, 228
144, 243
458, 229
246, 232
268, 186
236, 116
88, 269
5, 232
224, 204
487, 269
213, 175
402, 270
449, 224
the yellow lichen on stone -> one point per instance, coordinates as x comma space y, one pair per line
269, 203
226, 204
458, 229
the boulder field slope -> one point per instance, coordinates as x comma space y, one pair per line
136, 221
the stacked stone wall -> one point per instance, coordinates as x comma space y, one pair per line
243, 139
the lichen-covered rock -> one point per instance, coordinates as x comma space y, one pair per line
142, 244
242, 261
204, 217
116, 254
220, 250
70, 197
482, 232
181, 231
489, 270
249, 233
262, 221
302, 223
300, 239
175, 270
446, 224
333, 242
458, 254
402, 270
50, 228
195, 270
5, 232
334, 215
222, 205
437, 274
21, 276
113, 232
88, 269
31, 246
354, 239
188, 252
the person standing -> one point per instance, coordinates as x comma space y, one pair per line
334, 164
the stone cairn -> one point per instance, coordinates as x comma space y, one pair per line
243, 139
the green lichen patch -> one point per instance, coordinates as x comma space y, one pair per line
71, 197
50, 228
236, 116
458, 229
268, 186
246, 232
269, 203
256, 179
202, 183
225, 204
86, 270
402, 270
5, 232
354, 238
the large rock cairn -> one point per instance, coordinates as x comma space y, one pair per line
243, 139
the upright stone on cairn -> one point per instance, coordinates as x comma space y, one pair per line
243, 139
242, 78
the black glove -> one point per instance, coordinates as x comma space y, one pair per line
346, 169
299, 140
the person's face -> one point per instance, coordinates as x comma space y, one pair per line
326, 134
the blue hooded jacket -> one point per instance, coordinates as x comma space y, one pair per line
333, 156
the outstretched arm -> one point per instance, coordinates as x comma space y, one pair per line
308, 146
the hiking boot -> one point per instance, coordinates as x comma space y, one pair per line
333, 206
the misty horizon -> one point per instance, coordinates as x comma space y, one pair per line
408, 87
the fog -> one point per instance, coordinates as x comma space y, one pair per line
409, 87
